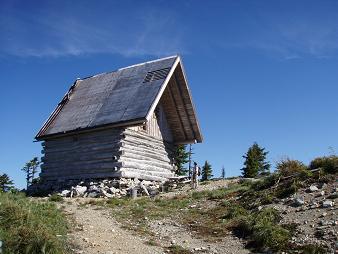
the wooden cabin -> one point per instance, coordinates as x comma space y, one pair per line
125, 123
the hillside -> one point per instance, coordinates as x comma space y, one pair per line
224, 216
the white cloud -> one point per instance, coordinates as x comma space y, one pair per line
54, 35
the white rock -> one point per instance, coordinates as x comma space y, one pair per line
328, 203
65, 193
113, 190
299, 201
108, 195
93, 194
313, 188
93, 188
80, 190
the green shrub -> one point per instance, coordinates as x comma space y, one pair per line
312, 249
288, 167
55, 198
235, 211
328, 163
266, 198
266, 182
268, 234
31, 227
177, 249
287, 189
260, 226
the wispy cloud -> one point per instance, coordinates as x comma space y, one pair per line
47, 33
289, 32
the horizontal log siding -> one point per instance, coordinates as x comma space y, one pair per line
145, 157
110, 153
87, 155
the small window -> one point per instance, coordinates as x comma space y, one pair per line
156, 75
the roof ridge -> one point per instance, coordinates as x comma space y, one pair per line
127, 67
151, 61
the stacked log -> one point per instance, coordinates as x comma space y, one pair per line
114, 153
145, 157
81, 156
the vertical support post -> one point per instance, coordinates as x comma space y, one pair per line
190, 149
134, 193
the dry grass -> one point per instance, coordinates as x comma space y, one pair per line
28, 226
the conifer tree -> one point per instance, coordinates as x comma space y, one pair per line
223, 172
5, 183
206, 171
31, 169
181, 158
255, 162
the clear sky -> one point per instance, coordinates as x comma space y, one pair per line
263, 71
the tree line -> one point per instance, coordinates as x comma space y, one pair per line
255, 163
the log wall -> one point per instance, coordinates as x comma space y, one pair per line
145, 157
87, 155
118, 152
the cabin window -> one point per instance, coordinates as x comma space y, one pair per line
156, 75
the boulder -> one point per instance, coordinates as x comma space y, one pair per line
113, 190
65, 193
93, 194
299, 201
313, 188
93, 188
80, 190
328, 203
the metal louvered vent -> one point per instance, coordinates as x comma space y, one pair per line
156, 75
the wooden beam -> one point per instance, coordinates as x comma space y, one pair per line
177, 112
183, 103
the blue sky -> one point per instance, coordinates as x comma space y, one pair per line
263, 71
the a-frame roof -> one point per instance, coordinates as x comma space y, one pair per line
127, 97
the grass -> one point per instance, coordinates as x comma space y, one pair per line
55, 198
177, 249
220, 193
28, 226
212, 214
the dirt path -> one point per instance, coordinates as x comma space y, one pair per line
97, 232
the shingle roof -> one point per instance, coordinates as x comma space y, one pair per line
121, 97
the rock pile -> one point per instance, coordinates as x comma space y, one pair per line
112, 188
314, 211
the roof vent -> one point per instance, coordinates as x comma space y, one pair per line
156, 75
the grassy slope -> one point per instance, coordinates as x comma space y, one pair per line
213, 214
28, 226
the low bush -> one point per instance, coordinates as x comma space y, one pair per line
287, 189
30, 226
288, 167
328, 163
235, 211
55, 198
266, 182
260, 226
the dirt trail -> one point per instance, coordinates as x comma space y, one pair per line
98, 232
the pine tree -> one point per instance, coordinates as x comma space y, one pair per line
181, 158
31, 169
5, 183
206, 171
255, 162
223, 172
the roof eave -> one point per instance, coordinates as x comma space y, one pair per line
91, 129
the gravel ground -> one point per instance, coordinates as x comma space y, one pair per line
97, 232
